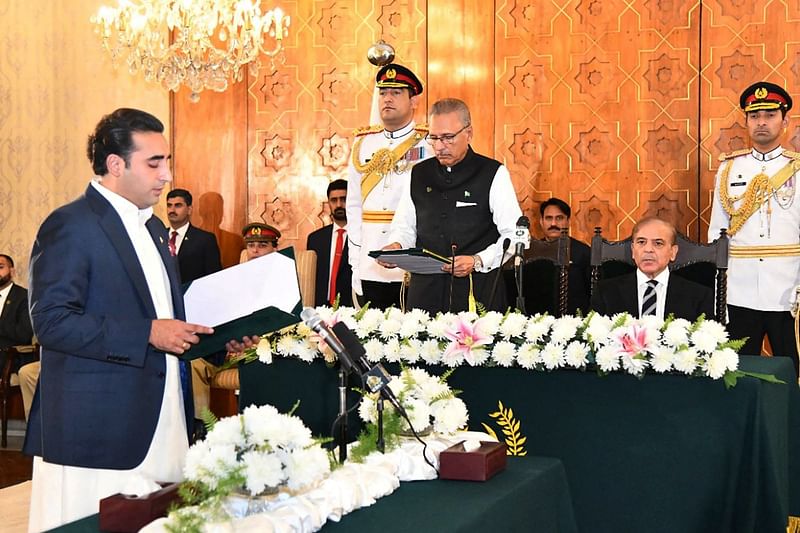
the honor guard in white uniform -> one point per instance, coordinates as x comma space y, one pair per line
756, 199
381, 161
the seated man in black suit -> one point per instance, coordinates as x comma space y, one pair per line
333, 267
652, 290
15, 321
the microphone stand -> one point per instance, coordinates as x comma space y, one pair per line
380, 444
342, 414
452, 274
518, 278
497, 274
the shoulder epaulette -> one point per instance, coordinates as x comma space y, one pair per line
367, 130
737, 153
422, 128
791, 155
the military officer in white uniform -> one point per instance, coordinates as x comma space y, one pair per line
381, 162
756, 198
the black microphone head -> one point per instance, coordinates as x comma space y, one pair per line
351, 343
523, 222
506, 243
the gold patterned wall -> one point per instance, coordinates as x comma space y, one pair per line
54, 86
620, 107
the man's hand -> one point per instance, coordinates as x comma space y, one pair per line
175, 336
234, 346
392, 246
464, 265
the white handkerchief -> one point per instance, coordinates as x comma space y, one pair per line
465, 204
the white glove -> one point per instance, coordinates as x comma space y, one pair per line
795, 302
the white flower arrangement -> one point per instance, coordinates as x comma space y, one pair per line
253, 453
619, 343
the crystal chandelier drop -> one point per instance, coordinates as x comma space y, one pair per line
212, 40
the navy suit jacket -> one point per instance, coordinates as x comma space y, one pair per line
685, 299
198, 255
101, 382
320, 242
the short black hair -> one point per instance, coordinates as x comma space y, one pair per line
114, 135
180, 193
557, 202
336, 185
8, 258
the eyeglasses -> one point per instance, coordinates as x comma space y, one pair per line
447, 139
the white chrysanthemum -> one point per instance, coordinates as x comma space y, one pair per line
708, 335
262, 470
430, 352
211, 463
410, 327
449, 416
391, 350
565, 329
420, 315
438, 326
504, 353
607, 359
452, 358
390, 328
427, 387
490, 323
305, 352
264, 351
226, 431
686, 361
661, 361
514, 325
537, 329
418, 412
599, 329
576, 354
731, 358
367, 410
721, 361
468, 316
397, 384
622, 319
528, 356
479, 356
677, 333
633, 363
286, 345
410, 350
195, 457
305, 466
553, 356
374, 349
651, 322
303, 330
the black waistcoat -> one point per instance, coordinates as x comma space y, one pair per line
452, 205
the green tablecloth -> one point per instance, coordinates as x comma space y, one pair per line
530, 495
664, 453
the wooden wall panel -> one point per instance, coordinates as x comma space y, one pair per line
743, 46
620, 107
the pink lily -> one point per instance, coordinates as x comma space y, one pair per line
466, 339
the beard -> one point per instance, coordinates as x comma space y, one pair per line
339, 214
5, 280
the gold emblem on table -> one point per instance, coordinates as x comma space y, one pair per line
510, 426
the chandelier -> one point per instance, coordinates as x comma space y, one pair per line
213, 41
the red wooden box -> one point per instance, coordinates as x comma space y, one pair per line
477, 465
123, 513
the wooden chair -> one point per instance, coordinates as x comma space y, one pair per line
706, 264
9, 383
544, 262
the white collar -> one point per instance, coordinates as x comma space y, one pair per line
769, 156
127, 210
662, 278
402, 132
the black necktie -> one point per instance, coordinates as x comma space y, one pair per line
649, 300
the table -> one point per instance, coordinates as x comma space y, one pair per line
664, 453
531, 491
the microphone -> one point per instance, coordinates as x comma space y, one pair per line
315, 322
376, 378
522, 239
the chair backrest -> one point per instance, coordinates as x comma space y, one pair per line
545, 276
702, 263
306, 263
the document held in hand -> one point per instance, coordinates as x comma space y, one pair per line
414, 260
253, 298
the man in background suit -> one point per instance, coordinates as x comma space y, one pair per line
15, 322
198, 256
113, 399
333, 266
652, 290
196, 249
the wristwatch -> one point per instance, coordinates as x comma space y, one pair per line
478, 262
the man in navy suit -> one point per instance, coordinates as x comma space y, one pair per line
325, 241
196, 249
113, 400
652, 290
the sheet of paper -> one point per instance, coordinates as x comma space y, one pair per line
240, 290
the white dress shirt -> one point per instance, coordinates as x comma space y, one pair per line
179, 238
661, 290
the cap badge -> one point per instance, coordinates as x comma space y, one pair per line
256, 231
391, 73
761, 93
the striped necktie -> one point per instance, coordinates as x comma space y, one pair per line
649, 300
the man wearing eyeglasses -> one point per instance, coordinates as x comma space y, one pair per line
461, 205
381, 162
652, 290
